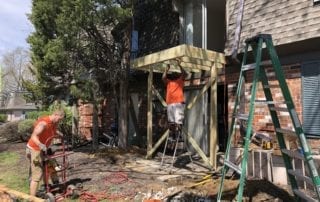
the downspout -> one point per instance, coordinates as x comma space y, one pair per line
237, 32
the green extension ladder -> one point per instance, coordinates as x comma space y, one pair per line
259, 74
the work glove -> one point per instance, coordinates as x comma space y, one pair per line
43, 147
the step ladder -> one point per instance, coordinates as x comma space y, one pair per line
259, 74
175, 137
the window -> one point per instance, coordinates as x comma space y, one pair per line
310, 73
194, 23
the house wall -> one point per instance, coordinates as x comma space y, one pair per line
157, 24
106, 116
295, 29
287, 21
262, 119
15, 115
216, 24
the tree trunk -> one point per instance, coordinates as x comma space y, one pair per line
95, 127
75, 119
123, 114
124, 98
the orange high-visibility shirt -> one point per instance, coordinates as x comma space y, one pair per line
175, 91
46, 136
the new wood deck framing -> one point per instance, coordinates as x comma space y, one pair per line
193, 59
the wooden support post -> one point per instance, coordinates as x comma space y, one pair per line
213, 118
149, 114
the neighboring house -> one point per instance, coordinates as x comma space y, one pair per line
17, 107
295, 29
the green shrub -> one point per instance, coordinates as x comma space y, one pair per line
9, 131
25, 128
65, 125
36, 114
3, 118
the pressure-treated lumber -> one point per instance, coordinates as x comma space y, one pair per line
193, 59
19, 195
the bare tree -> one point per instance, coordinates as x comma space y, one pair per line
16, 68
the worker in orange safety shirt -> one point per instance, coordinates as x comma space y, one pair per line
44, 130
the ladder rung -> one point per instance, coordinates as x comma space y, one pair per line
242, 116
300, 176
261, 101
269, 102
304, 196
248, 67
253, 65
285, 131
279, 109
271, 86
233, 166
293, 154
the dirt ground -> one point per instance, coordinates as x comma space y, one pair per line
114, 175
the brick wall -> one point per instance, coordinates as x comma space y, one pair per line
262, 118
106, 116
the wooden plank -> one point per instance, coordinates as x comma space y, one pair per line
186, 66
163, 137
19, 195
149, 113
189, 67
196, 147
197, 61
160, 67
163, 102
213, 119
200, 94
183, 51
160, 56
202, 54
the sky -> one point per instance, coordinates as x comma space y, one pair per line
14, 24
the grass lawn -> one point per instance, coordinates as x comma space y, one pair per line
13, 173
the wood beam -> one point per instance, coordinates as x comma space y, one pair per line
204, 89
193, 58
149, 113
213, 118
20, 195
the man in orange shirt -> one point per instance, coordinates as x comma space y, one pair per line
175, 96
44, 130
